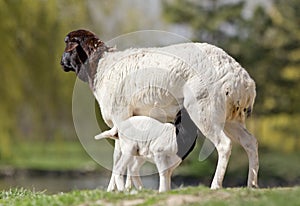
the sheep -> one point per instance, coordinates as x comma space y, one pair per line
216, 91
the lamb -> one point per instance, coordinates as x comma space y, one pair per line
185, 136
148, 138
216, 91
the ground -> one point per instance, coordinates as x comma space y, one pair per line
182, 196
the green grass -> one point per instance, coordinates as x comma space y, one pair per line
184, 196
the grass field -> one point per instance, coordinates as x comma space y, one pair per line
184, 196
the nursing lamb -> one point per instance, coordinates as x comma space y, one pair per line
185, 135
150, 139
216, 91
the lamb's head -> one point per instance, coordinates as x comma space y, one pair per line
82, 53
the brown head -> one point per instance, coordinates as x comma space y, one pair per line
82, 53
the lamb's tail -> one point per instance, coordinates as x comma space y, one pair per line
112, 134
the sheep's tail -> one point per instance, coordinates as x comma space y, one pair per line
251, 97
240, 103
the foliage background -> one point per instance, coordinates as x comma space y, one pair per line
36, 128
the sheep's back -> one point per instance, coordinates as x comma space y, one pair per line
145, 78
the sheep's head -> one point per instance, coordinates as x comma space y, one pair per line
82, 53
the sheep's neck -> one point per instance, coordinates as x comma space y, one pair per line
93, 64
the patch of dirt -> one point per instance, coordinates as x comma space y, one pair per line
132, 202
176, 200
122, 203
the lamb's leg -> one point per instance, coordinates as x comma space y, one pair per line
112, 183
237, 132
163, 166
170, 171
115, 179
165, 179
133, 180
133, 173
128, 183
164, 182
116, 158
120, 169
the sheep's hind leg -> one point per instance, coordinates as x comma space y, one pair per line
209, 116
223, 146
237, 132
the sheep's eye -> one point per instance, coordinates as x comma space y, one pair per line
72, 39
66, 39
76, 39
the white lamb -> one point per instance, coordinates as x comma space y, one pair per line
149, 139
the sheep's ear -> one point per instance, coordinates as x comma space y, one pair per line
70, 46
82, 54
91, 45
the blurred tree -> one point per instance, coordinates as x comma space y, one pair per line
35, 95
213, 21
274, 56
267, 45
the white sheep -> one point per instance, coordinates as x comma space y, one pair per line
150, 140
215, 90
